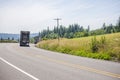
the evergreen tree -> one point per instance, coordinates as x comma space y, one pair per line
47, 33
118, 25
12, 38
104, 26
39, 35
88, 30
55, 29
81, 29
76, 30
1, 39
8, 38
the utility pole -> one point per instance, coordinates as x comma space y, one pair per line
57, 19
48, 32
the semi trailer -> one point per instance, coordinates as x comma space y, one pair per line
24, 38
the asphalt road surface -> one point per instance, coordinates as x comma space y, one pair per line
31, 63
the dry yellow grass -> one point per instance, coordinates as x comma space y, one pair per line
82, 43
78, 44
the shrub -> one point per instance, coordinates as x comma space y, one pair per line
94, 45
103, 40
103, 56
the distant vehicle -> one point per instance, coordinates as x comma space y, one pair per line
24, 38
36, 39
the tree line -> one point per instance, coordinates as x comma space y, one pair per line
77, 31
7, 38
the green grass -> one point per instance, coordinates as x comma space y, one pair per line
108, 46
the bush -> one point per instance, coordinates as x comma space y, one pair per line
103, 40
94, 45
103, 56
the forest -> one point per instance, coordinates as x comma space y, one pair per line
77, 31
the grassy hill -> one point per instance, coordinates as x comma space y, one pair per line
105, 47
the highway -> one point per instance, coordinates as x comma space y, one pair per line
31, 63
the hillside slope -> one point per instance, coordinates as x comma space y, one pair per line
105, 47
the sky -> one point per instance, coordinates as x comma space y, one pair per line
36, 15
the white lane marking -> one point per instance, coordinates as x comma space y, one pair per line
19, 69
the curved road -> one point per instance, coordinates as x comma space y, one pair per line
31, 63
